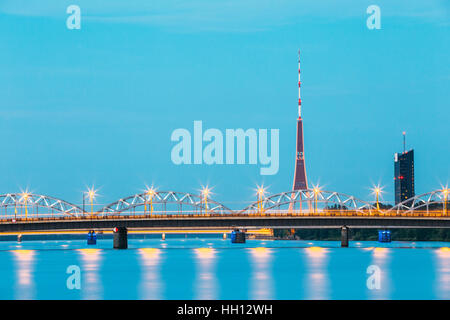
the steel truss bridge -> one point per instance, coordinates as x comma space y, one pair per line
178, 210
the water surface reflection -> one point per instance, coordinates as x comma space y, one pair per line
381, 260
91, 286
206, 281
24, 264
317, 274
261, 286
151, 286
443, 273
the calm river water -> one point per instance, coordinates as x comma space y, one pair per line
211, 268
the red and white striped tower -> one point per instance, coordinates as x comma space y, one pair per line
300, 180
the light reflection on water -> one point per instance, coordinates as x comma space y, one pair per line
91, 283
24, 264
261, 286
217, 269
443, 271
381, 259
151, 286
206, 282
317, 276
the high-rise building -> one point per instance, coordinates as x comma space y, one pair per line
404, 175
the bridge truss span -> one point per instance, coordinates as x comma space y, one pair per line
310, 201
28, 204
165, 202
436, 200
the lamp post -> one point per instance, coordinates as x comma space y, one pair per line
149, 195
316, 192
25, 200
377, 192
91, 194
445, 192
84, 196
260, 194
205, 192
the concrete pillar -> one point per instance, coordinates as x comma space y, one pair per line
91, 237
120, 238
344, 236
238, 236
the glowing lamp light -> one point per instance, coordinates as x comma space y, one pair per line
377, 190
91, 193
205, 191
261, 191
25, 196
150, 192
316, 191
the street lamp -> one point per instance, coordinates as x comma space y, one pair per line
149, 195
25, 196
91, 193
260, 194
205, 192
445, 192
377, 191
316, 192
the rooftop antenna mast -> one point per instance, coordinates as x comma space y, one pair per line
404, 141
299, 85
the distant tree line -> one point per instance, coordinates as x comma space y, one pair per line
368, 234
365, 234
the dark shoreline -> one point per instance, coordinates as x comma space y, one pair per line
412, 235
442, 235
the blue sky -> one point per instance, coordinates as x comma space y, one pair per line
98, 105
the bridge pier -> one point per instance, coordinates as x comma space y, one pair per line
238, 236
384, 236
344, 236
91, 237
120, 238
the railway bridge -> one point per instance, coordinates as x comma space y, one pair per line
170, 210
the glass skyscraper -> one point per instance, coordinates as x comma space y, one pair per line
404, 176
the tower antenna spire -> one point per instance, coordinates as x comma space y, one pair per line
404, 141
299, 85
300, 180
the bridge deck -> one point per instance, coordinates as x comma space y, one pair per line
249, 220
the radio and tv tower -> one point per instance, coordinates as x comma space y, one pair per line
300, 180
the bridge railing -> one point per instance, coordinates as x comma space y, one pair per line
23, 207
267, 214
